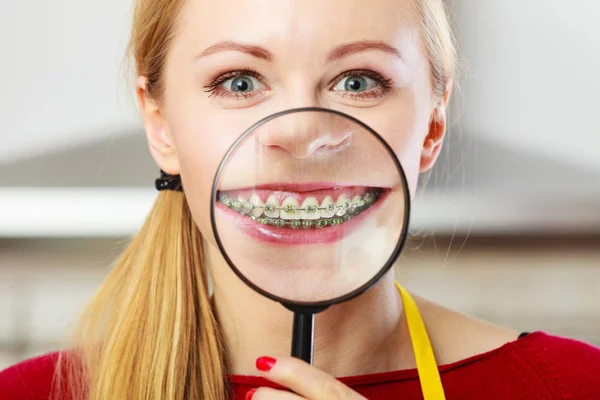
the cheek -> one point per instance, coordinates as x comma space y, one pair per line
198, 165
404, 127
202, 140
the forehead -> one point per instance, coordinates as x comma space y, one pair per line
296, 28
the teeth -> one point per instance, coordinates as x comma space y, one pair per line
246, 207
355, 203
311, 209
225, 199
309, 215
237, 203
289, 209
271, 208
257, 203
328, 207
342, 204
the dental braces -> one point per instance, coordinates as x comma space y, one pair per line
247, 207
305, 223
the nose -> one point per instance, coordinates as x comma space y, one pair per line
305, 134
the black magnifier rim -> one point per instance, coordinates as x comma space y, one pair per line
356, 292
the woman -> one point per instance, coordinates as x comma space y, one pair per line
207, 70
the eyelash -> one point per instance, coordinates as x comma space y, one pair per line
215, 86
384, 85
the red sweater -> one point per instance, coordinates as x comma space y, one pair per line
538, 366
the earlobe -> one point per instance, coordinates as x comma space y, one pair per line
159, 141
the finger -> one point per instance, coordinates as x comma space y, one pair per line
304, 379
271, 394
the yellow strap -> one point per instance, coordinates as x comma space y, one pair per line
429, 376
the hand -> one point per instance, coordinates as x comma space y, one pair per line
305, 381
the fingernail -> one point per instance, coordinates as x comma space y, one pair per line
250, 393
265, 363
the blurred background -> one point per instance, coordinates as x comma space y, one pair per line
507, 225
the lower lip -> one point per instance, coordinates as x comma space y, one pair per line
288, 236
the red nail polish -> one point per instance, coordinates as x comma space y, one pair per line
265, 363
250, 393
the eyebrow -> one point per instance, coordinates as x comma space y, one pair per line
336, 54
255, 51
362, 45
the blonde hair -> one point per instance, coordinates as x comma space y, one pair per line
150, 332
438, 42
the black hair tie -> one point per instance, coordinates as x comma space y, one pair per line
168, 182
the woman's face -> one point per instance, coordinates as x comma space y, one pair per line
234, 62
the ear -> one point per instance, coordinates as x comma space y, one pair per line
159, 140
437, 131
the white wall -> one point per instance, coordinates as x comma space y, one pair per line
531, 76
60, 74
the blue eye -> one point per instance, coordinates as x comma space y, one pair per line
243, 84
237, 85
355, 84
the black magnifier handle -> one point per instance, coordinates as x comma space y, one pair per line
303, 336
303, 331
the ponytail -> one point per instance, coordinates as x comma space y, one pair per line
149, 332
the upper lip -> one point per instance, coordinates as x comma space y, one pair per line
299, 187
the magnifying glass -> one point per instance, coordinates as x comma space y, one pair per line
310, 208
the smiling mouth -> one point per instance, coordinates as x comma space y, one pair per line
301, 210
